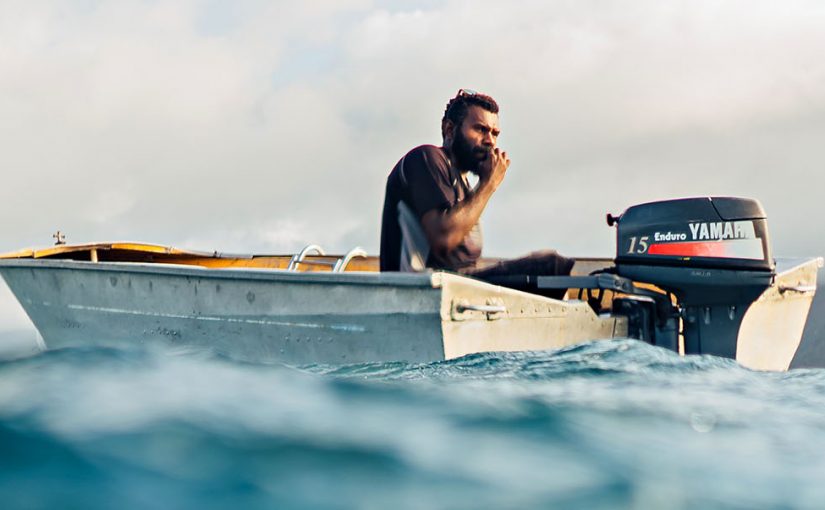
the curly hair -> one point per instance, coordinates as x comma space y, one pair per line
458, 106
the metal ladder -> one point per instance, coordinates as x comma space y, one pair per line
336, 267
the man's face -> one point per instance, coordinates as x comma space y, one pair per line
475, 138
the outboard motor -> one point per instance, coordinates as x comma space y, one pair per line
712, 253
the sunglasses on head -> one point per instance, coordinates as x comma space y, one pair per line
465, 92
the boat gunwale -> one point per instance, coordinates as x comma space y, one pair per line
428, 279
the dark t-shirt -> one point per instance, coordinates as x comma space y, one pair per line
425, 180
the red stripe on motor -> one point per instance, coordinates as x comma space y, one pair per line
696, 249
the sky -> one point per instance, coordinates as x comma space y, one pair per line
262, 126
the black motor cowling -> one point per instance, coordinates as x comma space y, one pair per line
719, 232
712, 253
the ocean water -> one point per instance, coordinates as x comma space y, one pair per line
608, 424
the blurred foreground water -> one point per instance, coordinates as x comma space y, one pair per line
610, 424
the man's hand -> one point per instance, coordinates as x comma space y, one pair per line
491, 171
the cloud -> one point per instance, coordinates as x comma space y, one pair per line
265, 126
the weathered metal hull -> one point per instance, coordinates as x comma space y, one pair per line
296, 318
779, 330
811, 350
354, 317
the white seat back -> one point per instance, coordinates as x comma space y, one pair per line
414, 245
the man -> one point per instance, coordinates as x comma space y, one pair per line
430, 210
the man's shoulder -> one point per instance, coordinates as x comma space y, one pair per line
428, 150
429, 156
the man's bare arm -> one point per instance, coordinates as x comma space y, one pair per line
445, 230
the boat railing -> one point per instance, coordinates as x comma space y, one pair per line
337, 266
344, 261
298, 258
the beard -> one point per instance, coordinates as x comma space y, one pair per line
468, 156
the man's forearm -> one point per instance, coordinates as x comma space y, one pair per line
447, 229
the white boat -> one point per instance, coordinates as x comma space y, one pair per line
306, 309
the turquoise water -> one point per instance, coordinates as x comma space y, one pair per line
613, 424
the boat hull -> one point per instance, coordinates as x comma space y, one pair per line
292, 317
